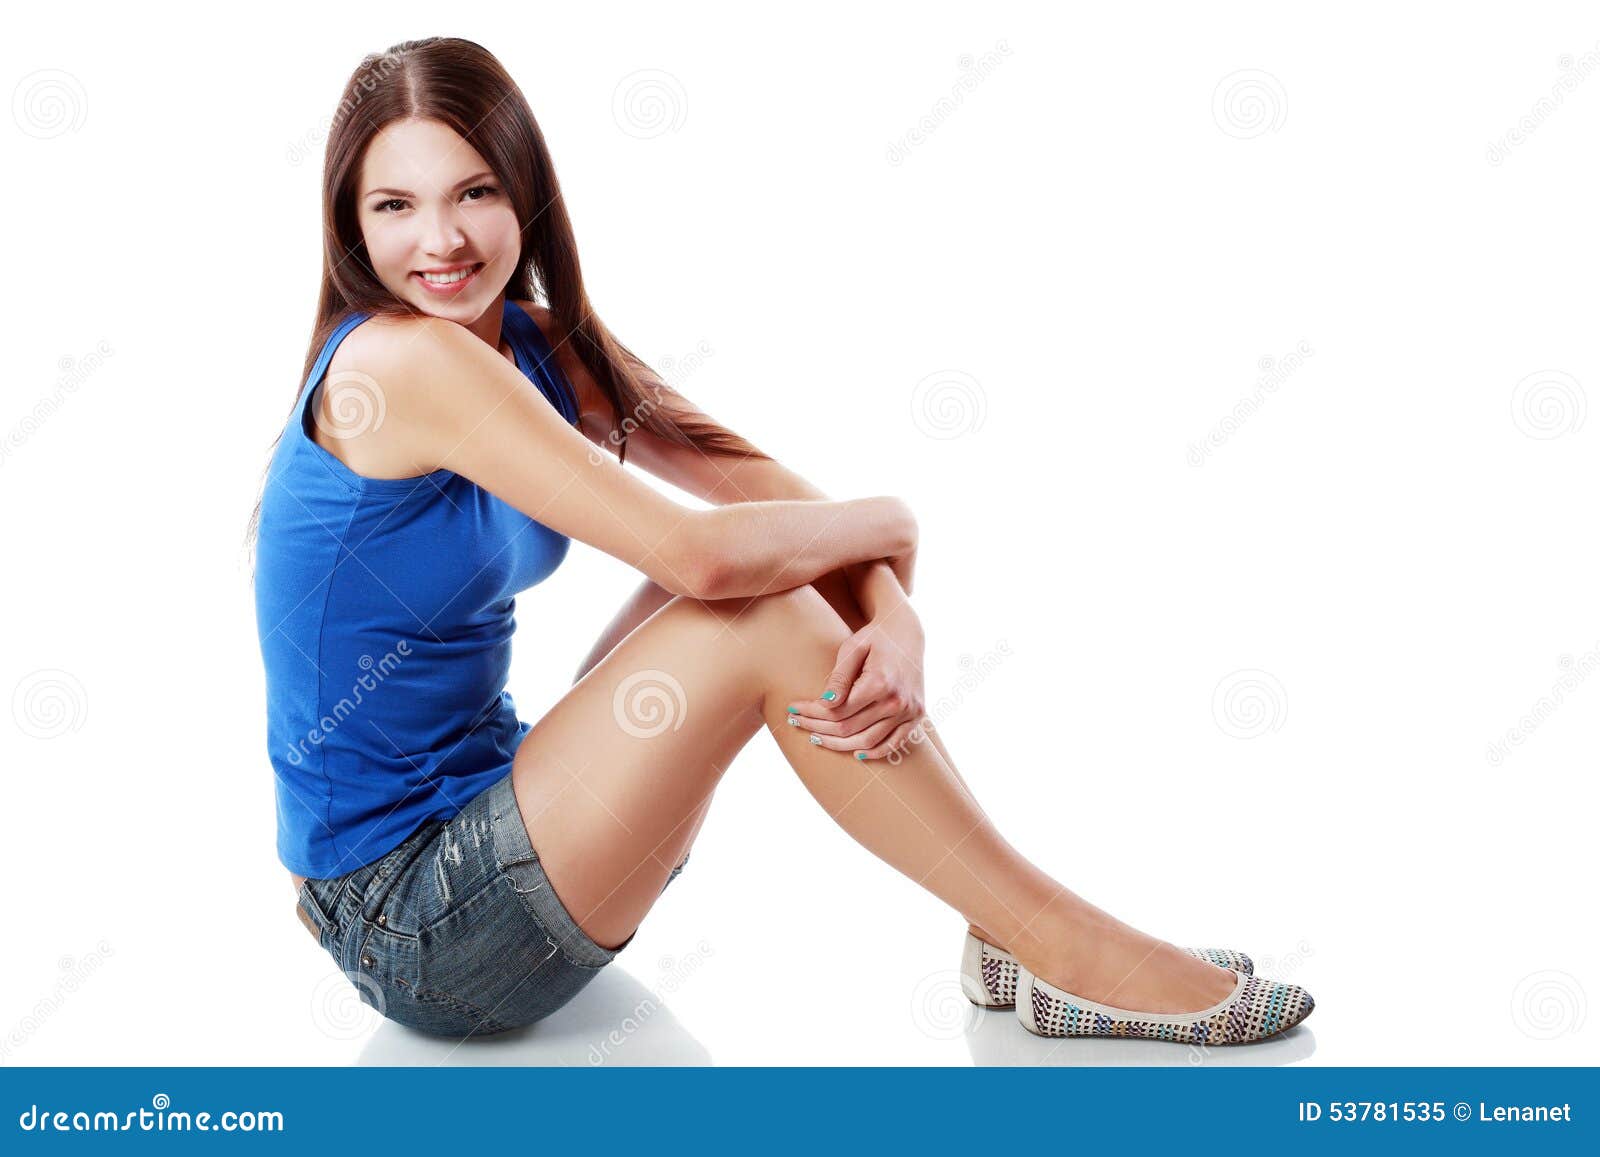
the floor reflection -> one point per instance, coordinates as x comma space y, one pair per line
614, 1021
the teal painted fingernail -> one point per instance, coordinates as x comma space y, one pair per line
830, 694
861, 755
794, 711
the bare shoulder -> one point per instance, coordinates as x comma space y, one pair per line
369, 376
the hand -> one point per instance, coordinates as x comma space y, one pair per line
877, 690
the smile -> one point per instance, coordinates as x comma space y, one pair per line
450, 281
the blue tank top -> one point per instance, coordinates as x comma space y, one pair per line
385, 613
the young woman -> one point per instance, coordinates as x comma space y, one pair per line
471, 872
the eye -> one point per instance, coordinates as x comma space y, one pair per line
487, 190
383, 206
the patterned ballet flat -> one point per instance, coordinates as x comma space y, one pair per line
989, 974
1257, 1008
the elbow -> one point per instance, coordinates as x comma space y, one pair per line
700, 566
707, 576
693, 574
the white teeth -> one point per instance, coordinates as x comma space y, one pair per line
448, 278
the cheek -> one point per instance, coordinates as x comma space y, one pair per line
502, 235
386, 249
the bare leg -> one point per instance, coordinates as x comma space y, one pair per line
837, 591
609, 789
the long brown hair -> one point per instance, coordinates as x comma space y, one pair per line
462, 85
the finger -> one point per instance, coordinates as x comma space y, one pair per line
831, 702
899, 743
851, 724
867, 739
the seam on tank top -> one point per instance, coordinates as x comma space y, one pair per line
322, 633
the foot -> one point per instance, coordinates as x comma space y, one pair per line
1095, 956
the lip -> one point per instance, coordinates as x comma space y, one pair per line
456, 287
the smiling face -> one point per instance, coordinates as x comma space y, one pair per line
440, 231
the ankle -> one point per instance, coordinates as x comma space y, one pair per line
987, 937
1066, 947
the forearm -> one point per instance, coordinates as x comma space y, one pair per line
762, 547
877, 592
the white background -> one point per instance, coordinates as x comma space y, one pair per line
1092, 254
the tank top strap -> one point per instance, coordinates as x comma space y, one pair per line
320, 366
524, 331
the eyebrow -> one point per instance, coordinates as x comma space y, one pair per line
406, 193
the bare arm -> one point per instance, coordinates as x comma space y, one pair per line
457, 404
726, 481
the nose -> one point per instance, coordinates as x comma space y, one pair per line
442, 233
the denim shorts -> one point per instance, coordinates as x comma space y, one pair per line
457, 932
